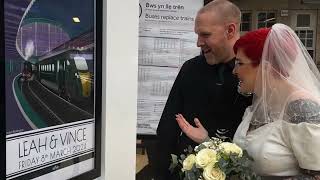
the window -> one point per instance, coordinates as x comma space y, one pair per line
81, 63
306, 37
303, 20
245, 21
266, 19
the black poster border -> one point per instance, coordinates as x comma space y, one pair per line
94, 173
2, 96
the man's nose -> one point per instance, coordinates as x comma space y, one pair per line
234, 71
200, 42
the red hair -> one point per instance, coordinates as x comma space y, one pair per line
252, 44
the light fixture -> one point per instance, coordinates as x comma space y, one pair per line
76, 19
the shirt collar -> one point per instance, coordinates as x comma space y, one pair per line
229, 64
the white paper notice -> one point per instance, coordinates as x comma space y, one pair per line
166, 41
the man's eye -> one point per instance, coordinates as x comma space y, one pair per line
205, 35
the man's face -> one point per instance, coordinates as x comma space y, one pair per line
212, 38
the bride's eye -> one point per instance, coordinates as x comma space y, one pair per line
237, 63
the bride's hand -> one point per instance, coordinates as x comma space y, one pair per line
197, 134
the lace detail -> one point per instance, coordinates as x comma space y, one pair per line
303, 110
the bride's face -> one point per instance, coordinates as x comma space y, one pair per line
246, 72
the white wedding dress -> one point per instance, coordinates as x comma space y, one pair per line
280, 148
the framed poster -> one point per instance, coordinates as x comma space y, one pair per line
50, 77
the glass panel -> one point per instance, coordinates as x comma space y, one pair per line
271, 15
311, 53
309, 42
261, 16
303, 20
246, 17
303, 41
269, 24
245, 27
261, 25
302, 34
309, 34
81, 63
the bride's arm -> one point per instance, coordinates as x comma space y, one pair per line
308, 111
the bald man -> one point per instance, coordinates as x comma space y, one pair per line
205, 87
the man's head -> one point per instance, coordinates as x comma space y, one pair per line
218, 25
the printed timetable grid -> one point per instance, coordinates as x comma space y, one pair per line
166, 52
159, 62
166, 41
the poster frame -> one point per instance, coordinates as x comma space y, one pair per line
96, 171
2, 95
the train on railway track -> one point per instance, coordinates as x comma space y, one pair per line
67, 74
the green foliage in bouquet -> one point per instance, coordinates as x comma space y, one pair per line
214, 160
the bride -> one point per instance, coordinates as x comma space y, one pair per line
281, 130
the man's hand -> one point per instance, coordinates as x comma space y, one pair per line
197, 134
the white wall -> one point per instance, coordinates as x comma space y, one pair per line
120, 58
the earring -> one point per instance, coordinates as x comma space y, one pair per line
245, 94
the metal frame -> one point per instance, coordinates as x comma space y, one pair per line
94, 173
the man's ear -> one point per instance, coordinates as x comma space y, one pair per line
231, 30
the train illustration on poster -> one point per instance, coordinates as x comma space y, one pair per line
66, 74
58, 86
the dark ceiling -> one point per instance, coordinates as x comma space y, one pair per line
58, 11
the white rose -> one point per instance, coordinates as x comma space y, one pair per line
206, 156
212, 173
228, 148
188, 162
196, 148
208, 144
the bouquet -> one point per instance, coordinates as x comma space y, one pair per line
214, 160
